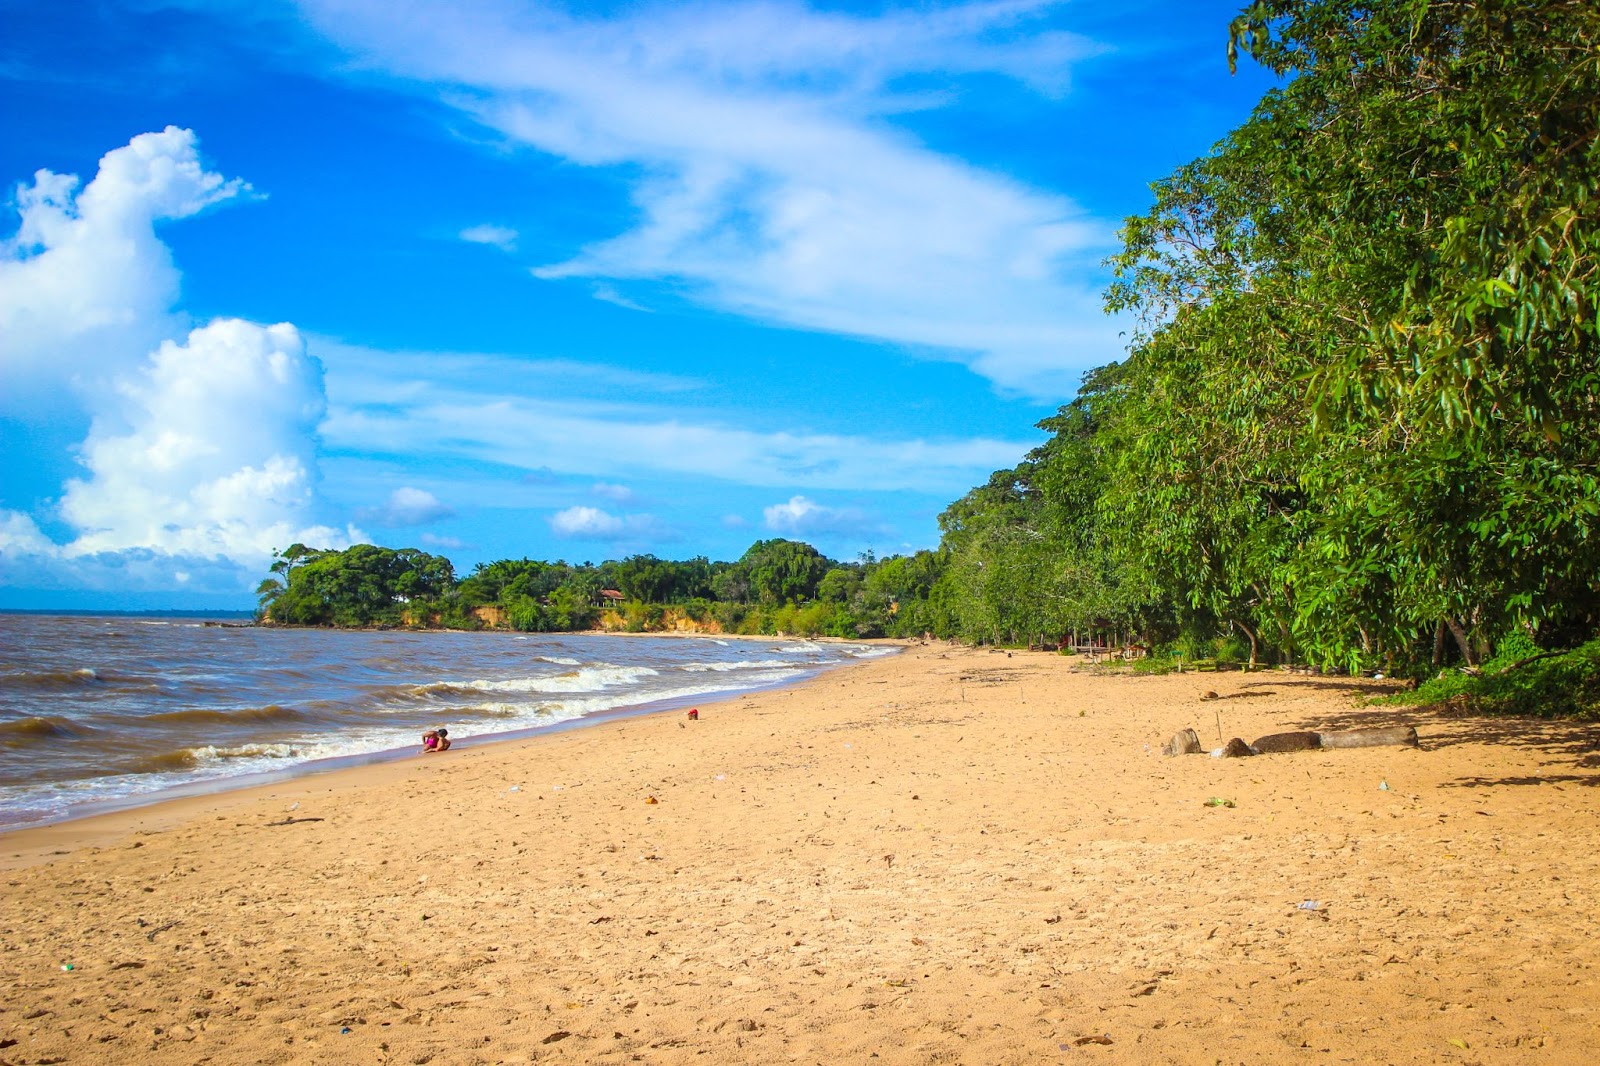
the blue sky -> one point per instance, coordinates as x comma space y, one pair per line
566, 281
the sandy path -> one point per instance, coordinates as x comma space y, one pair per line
951, 856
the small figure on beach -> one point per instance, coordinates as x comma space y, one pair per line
435, 740
694, 715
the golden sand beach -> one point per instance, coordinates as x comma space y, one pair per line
946, 856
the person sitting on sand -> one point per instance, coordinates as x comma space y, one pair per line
435, 740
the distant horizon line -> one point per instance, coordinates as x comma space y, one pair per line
160, 612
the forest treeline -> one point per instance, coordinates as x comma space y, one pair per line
777, 586
1358, 422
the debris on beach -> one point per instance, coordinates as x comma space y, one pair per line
1275, 743
1183, 742
1377, 737
1218, 801
1187, 741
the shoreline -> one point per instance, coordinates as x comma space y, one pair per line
197, 790
107, 820
945, 855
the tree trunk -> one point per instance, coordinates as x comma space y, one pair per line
1255, 645
1468, 653
1439, 631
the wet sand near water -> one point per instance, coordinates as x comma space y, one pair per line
946, 856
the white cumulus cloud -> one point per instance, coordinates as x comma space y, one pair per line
586, 522
212, 454
20, 536
202, 450
86, 286
801, 516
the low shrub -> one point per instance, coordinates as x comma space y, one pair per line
1556, 685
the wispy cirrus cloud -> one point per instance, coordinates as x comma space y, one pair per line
406, 506
620, 493
501, 237
767, 173
541, 420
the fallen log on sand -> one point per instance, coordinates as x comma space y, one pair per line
1278, 742
1377, 737
1187, 741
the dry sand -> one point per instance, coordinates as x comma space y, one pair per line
950, 856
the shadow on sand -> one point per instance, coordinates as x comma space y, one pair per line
1573, 748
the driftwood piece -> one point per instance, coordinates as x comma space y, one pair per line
1187, 741
1377, 737
1274, 743
1183, 742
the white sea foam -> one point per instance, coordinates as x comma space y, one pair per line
271, 752
588, 679
864, 651
559, 660
755, 664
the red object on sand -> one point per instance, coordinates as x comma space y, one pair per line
694, 715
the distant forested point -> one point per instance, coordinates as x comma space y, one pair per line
1357, 425
776, 587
